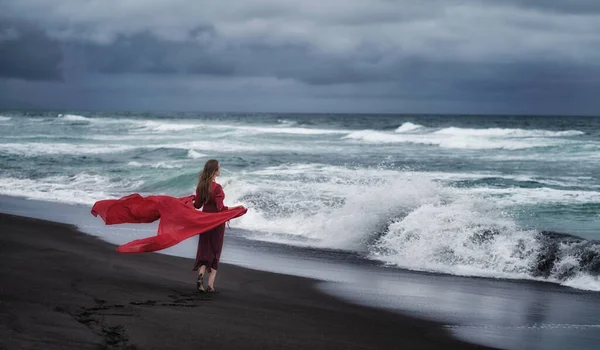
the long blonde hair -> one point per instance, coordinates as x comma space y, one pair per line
207, 176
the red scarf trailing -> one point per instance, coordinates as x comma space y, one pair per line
179, 219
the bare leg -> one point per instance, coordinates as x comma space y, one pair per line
200, 281
212, 274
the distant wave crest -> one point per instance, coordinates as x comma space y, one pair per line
408, 127
498, 132
73, 118
465, 138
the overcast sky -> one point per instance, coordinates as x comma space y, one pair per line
403, 56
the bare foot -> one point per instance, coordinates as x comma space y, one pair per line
200, 283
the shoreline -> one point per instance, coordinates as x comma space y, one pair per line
86, 295
32, 208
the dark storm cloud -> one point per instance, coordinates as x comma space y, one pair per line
144, 53
470, 51
27, 53
147, 54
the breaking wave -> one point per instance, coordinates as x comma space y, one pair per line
73, 118
411, 221
408, 127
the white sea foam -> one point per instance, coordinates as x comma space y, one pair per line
325, 212
4, 119
233, 146
32, 149
40, 136
285, 122
499, 132
408, 127
406, 219
134, 137
195, 154
340, 181
165, 165
450, 141
465, 138
591, 152
283, 130
158, 165
526, 196
585, 282
450, 237
164, 126
133, 126
73, 118
320, 202
80, 188
208, 146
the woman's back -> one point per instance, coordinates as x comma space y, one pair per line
214, 204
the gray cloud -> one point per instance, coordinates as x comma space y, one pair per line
144, 53
571, 7
387, 54
466, 30
28, 53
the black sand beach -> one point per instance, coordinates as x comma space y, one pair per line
61, 288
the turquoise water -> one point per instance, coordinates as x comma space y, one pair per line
466, 195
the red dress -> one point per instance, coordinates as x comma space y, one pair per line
210, 243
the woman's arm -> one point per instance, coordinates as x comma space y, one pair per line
197, 203
219, 196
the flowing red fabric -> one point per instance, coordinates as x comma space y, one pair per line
179, 219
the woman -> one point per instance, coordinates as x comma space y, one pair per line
209, 197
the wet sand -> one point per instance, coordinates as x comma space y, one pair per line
61, 288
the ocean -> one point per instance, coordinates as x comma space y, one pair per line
503, 197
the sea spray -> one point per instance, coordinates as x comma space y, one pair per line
409, 220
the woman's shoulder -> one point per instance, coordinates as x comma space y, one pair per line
217, 190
